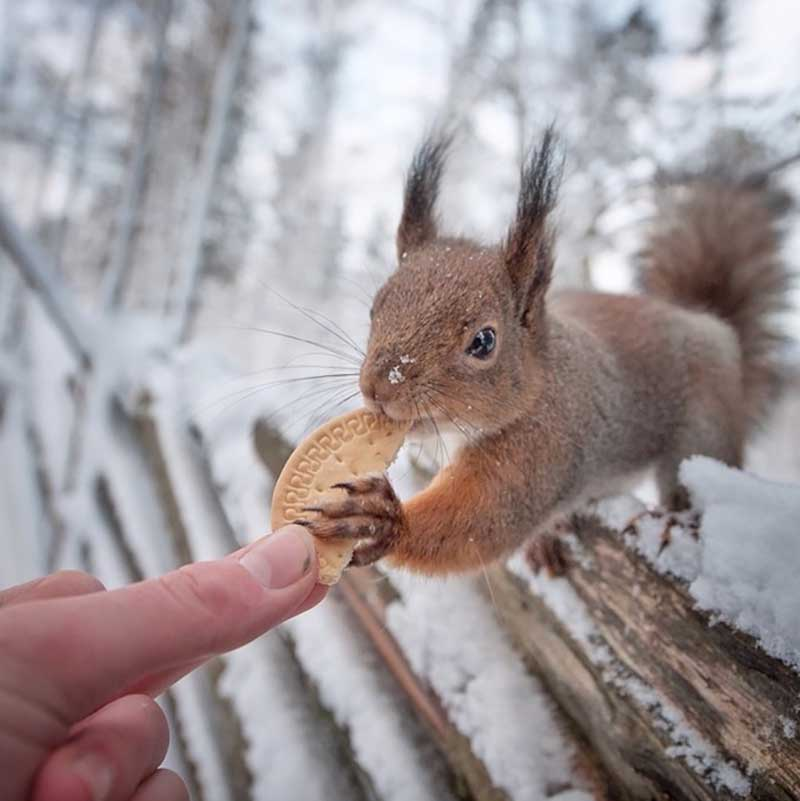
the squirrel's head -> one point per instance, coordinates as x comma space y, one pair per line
458, 329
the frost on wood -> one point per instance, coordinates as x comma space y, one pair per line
687, 743
743, 567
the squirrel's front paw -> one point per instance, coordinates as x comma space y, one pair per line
371, 511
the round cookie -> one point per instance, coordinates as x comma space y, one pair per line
352, 445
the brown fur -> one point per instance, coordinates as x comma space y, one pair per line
583, 390
716, 249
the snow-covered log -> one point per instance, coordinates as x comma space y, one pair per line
368, 594
675, 703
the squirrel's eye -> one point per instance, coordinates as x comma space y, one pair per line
483, 343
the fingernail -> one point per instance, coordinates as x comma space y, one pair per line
280, 559
96, 772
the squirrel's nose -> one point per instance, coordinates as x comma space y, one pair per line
376, 390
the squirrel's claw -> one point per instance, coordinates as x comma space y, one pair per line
377, 484
371, 511
549, 552
357, 527
368, 504
671, 519
366, 555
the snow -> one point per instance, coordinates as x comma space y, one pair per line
646, 530
452, 641
750, 554
24, 553
788, 727
271, 701
362, 700
200, 736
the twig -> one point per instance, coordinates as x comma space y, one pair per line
35, 270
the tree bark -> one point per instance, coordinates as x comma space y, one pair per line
647, 636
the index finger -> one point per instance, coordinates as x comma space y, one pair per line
90, 649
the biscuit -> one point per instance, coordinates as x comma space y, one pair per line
352, 445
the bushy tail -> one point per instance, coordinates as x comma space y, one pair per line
715, 246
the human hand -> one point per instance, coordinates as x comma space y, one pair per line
79, 666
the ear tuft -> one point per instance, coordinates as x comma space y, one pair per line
528, 249
418, 222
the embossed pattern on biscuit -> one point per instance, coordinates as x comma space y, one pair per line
354, 444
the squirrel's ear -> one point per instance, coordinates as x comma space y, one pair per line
418, 222
528, 249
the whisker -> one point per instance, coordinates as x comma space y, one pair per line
268, 385
365, 294
296, 367
327, 410
485, 573
438, 434
539, 419
333, 351
473, 440
345, 337
329, 393
312, 314
314, 392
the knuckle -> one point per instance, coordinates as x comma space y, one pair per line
203, 599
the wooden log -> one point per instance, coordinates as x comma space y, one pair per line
653, 676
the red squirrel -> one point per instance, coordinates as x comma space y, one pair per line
560, 396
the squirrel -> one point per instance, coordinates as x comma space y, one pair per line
563, 396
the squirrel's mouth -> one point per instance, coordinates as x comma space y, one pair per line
420, 420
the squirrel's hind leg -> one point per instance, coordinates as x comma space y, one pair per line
548, 551
698, 439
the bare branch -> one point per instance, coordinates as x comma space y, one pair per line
94, 32
782, 164
35, 270
192, 250
137, 175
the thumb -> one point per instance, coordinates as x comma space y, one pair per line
97, 646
